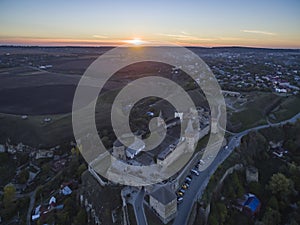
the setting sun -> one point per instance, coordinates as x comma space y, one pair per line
135, 41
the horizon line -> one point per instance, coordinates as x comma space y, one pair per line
113, 46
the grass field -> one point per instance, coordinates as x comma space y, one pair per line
33, 131
254, 112
289, 107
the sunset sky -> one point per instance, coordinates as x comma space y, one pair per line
259, 23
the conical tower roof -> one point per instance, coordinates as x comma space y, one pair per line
189, 129
160, 114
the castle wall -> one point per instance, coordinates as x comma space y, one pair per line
174, 155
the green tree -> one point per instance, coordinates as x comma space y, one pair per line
291, 145
255, 188
222, 211
81, 218
273, 203
81, 169
239, 189
280, 185
70, 206
293, 222
63, 218
271, 217
9, 194
23, 176
213, 220
46, 168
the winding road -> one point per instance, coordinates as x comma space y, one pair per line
200, 182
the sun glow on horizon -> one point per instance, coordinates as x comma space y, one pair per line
135, 41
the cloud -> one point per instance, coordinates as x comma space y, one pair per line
259, 32
99, 36
236, 39
186, 37
185, 33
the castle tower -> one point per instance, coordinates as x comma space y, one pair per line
119, 150
193, 113
190, 136
178, 115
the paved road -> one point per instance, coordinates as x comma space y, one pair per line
200, 182
30, 207
138, 207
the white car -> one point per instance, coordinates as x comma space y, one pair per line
195, 172
182, 190
179, 200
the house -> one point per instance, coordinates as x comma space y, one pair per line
164, 202
11, 149
37, 213
43, 154
65, 191
279, 152
251, 205
52, 202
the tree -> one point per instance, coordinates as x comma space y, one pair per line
46, 168
222, 211
293, 222
70, 206
81, 169
9, 203
291, 145
9, 194
81, 218
63, 218
273, 203
229, 192
212, 220
271, 217
255, 188
75, 150
280, 185
239, 189
23, 176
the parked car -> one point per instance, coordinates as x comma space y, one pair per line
187, 181
195, 172
184, 186
180, 194
182, 190
179, 200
